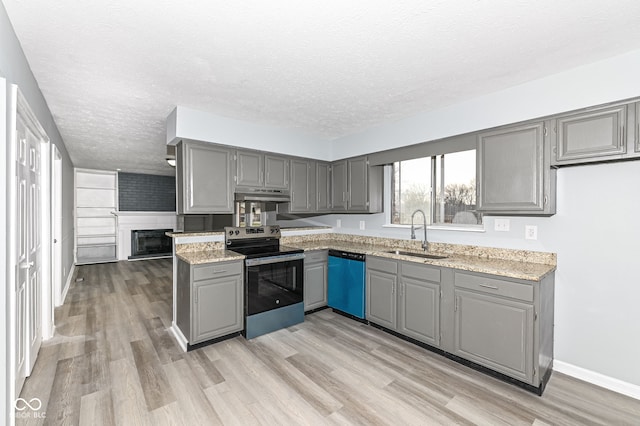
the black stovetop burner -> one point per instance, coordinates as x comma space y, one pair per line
254, 242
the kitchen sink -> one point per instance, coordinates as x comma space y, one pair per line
422, 255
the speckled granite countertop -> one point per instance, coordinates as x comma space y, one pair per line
525, 265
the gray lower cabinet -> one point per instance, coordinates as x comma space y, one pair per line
404, 297
594, 135
506, 325
209, 300
514, 173
315, 279
204, 181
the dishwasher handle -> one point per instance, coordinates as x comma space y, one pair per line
347, 255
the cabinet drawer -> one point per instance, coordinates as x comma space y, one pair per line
421, 272
315, 256
215, 270
389, 266
494, 286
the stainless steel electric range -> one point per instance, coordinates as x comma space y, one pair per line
273, 279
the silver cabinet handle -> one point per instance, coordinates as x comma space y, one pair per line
26, 265
492, 287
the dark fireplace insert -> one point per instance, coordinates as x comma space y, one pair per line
150, 243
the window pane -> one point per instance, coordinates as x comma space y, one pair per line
456, 194
411, 189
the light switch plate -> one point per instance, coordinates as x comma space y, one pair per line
502, 225
362, 225
338, 223
531, 232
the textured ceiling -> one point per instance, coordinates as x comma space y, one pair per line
111, 71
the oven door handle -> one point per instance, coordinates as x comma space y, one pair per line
274, 259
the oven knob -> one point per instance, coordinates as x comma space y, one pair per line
237, 231
230, 232
277, 301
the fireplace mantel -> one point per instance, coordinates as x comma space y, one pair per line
130, 221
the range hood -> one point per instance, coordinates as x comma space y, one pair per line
263, 195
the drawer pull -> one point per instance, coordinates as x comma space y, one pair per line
492, 287
221, 271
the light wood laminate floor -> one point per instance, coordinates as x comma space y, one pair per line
113, 362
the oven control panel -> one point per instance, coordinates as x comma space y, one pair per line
238, 233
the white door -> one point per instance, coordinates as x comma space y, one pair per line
29, 138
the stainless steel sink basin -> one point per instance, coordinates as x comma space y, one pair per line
422, 255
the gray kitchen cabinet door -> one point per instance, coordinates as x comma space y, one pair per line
249, 169
358, 187
217, 308
276, 172
419, 311
300, 186
495, 332
514, 175
204, 178
381, 301
593, 135
339, 186
323, 187
636, 129
315, 279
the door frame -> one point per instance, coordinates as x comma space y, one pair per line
56, 226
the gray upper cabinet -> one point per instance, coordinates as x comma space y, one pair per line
323, 187
301, 189
358, 189
593, 135
636, 129
514, 172
339, 186
276, 172
258, 170
203, 178
249, 169
209, 300
315, 279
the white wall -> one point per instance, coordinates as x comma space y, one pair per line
191, 124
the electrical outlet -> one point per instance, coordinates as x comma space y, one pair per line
531, 232
502, 225
338, 223
362, 225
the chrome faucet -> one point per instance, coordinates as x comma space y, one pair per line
425, 244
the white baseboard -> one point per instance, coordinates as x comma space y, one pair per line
177, 333
68, 283
597, 379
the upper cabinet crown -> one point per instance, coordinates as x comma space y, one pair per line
514, 173
203, 178
258, 170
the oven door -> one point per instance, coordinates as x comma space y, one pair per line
273, 282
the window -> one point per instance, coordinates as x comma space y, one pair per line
443, 186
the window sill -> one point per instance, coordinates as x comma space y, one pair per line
467, 228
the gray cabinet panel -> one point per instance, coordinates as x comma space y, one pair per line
495, 332
250, 169
420, 310
514, 175
323, 187
204, 178
339, 186
216, 308
381, 298
636, 129
276, 172
315, 280
358, 187
591, 135
300, 186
